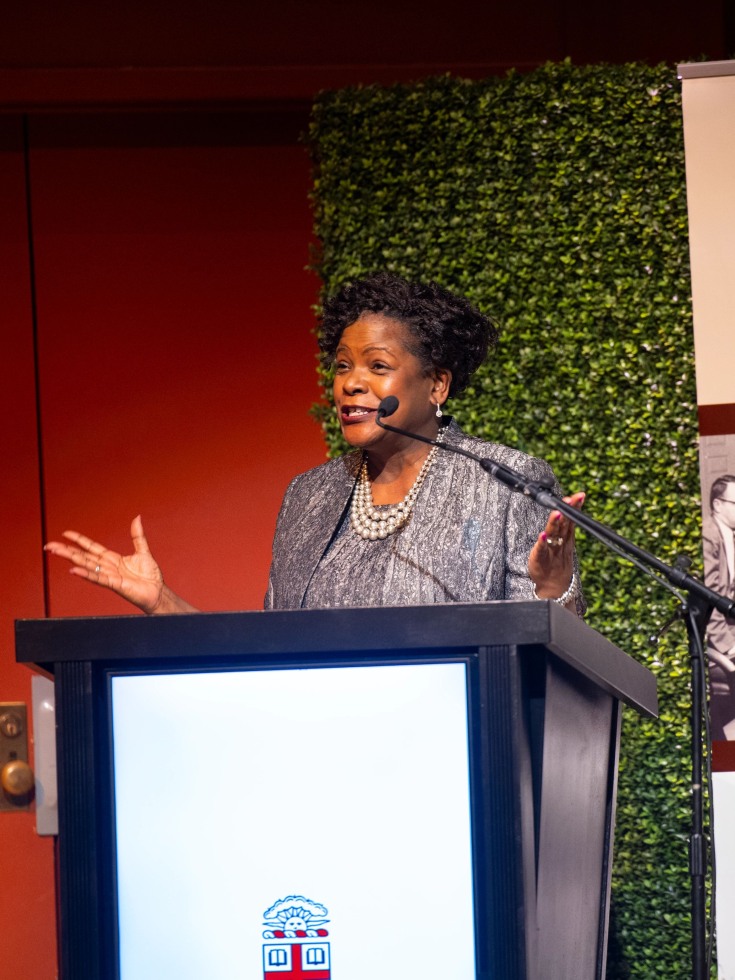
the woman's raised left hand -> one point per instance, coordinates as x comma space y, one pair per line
551, 562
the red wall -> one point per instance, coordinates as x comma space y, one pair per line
177, 363
26, 861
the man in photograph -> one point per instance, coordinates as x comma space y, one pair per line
719, 575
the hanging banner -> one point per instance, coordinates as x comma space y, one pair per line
708, 96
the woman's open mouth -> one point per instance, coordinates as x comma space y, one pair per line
351, 414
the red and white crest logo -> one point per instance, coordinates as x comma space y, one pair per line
295, 946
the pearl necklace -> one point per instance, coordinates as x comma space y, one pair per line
373, 524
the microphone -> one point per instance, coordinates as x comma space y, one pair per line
387, 407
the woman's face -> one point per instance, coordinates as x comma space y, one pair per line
373, 361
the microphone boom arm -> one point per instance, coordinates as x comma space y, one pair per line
546, 497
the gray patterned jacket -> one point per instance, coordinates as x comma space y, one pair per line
468, 539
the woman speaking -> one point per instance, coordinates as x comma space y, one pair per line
394, 522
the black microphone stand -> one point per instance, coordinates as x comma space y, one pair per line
695, 609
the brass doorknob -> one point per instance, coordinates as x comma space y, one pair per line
16, 778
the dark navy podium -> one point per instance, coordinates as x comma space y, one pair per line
544, 695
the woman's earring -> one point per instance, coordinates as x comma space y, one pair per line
439, 412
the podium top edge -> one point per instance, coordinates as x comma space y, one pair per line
200, 638
290, 631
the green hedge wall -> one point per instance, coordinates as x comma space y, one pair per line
556, 202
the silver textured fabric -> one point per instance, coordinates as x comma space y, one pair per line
467, 540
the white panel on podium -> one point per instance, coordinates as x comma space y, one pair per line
272, 823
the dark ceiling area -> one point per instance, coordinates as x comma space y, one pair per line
55, 52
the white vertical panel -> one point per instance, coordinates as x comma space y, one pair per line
44, 754
709, 137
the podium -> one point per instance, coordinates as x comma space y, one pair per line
481, 746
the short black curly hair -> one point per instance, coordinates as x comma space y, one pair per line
449, 331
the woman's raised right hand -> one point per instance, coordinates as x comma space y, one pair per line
135, 577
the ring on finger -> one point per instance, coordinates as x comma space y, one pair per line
554, 542
97, 570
